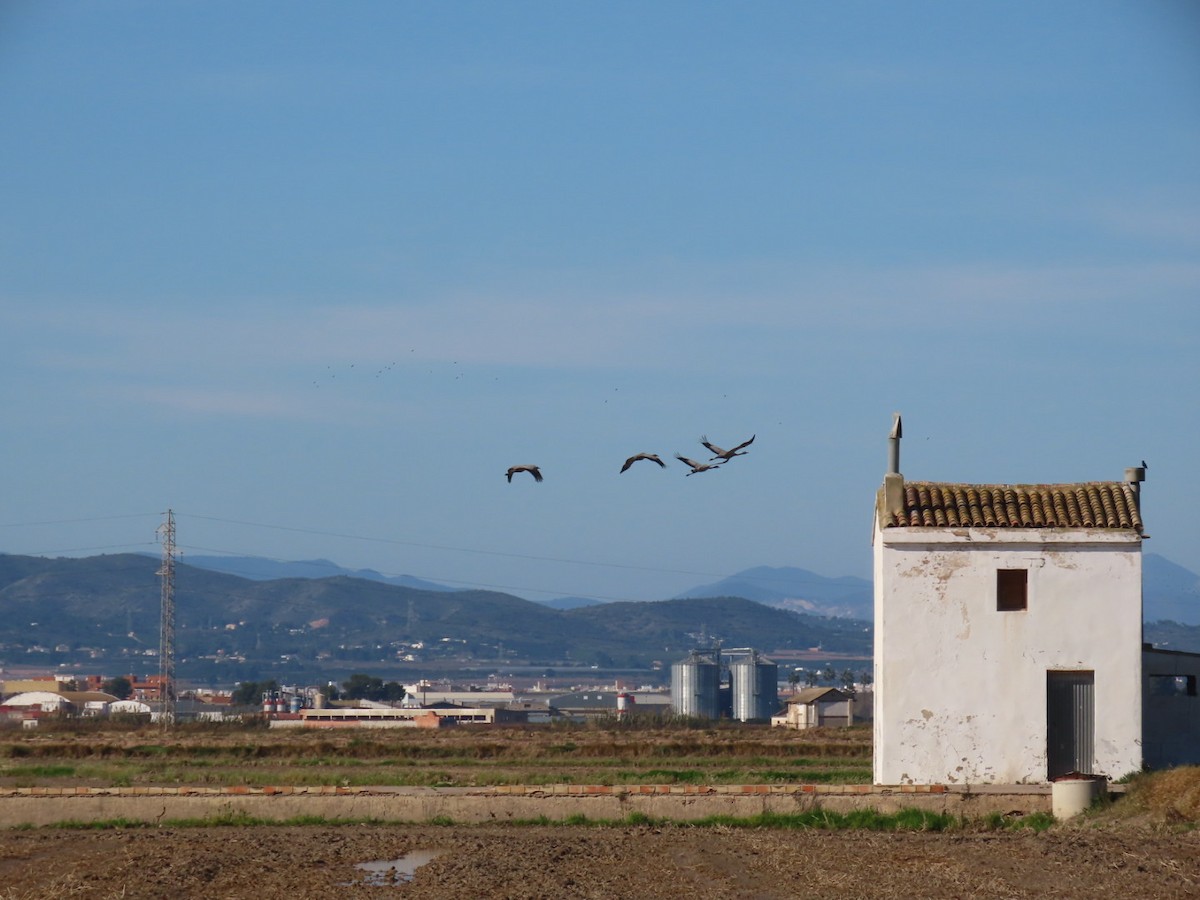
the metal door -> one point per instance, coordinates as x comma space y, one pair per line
1070, 722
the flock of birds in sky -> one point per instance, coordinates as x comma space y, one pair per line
719, 458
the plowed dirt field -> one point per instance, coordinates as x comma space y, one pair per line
556, 862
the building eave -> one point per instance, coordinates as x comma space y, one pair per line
1031, 536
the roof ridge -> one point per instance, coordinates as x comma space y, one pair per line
1011, 484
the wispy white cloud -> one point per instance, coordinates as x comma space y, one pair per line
266, 358
990, 293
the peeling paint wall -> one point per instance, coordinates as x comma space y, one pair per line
960, 687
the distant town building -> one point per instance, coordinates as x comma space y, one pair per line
424, 695
817, 707
35, 704
605, 702
440, 716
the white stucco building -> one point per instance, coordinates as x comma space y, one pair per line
1008, 630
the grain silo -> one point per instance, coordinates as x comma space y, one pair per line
755, 681
696, 686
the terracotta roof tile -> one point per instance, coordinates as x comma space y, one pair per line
1098, 504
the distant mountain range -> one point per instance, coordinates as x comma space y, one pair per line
796, 589
104, 611
786, 588
1170, 592
256, 568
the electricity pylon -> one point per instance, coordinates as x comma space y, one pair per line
166, 638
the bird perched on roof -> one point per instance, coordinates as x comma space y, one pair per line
726, 455
532, 470
696, 466
653, 457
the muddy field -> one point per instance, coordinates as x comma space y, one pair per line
584, 862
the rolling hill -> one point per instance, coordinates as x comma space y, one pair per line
107, 607
257, 568
1171, 592
104, 611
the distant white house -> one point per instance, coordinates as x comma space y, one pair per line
33, 703
416, 695
376, 716
817, 707
37, 701
129, 707
1008, 623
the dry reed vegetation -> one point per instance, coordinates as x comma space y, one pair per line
1170, 797
596, 753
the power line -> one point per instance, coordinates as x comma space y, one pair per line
378, 540
500, 553
83, 549
438, 580
393, 542
77, 521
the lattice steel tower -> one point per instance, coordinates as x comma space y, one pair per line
166, 639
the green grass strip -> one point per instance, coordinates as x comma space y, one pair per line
905, 820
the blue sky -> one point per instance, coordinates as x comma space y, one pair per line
314, 275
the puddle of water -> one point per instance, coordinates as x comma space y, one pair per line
393, 872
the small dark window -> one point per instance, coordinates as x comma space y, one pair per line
1012, 589
1172, 685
